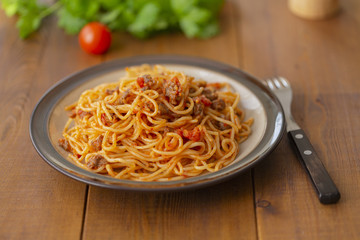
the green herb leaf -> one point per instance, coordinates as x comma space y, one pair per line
181, 7
71, 24
113, 19
195, 22
142, 18
145, 20
10, 7
27, 24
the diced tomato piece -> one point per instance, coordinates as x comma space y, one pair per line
72, 114
140, 81
180, 132
194, 135
205, 101
105, 120
176, 80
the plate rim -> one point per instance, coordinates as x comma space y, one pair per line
67, 84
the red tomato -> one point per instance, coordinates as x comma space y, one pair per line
140, 81
95, 38
205, 100
194, 135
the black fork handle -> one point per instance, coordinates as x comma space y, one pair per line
325, 187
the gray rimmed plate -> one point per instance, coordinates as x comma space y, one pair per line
49, 117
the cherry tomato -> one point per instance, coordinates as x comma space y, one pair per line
95, 38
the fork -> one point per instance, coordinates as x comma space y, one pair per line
325, 187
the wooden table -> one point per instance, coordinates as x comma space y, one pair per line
275, 200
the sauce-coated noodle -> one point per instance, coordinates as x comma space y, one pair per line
155, 125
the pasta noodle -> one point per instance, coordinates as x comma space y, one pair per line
155, 125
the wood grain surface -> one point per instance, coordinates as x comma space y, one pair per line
275, 200
321, 60
36, 202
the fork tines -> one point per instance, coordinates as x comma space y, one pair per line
277, 82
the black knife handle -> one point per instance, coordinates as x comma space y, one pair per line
321, 180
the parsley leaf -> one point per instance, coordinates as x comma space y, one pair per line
27, 24
70, 23
141, 18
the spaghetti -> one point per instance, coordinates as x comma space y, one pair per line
155, 125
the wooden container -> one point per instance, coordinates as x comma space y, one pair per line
314, 9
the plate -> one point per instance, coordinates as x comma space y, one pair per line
49, 117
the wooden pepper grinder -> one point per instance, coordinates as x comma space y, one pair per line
314, 9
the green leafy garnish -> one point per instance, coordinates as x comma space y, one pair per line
141, 18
